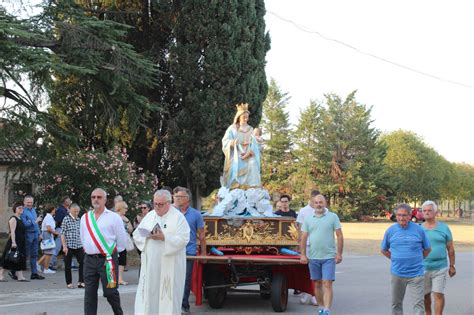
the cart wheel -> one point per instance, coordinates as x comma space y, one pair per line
264, 292
279, 293
215, 296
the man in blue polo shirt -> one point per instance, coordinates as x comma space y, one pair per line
406, 245
181, 196
323, 256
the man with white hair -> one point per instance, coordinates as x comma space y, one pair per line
162, 237
436, 263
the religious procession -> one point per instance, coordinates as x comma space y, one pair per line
241, 242
235, 157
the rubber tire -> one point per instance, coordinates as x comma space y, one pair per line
264, 296
279, 293
215, 297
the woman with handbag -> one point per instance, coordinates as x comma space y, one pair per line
121, 207
14, 257
48, 230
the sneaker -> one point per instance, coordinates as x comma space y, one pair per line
12, 275
305, 299
296, 292
326, 312
36, 276
313, 301
39, 267
49, 271
185, 310
53, 268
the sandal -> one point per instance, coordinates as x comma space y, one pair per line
70, 286
123, 283
23, 280
81, 285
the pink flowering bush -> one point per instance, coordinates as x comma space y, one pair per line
77, 174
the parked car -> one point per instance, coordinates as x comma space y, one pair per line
415, 216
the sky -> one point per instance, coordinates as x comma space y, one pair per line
433, 37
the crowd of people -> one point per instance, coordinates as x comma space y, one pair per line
167, 230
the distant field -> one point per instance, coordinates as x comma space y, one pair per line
365, 238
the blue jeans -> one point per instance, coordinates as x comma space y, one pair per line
31, 249
187, 284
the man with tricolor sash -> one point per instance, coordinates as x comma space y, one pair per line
102, 237
162, 237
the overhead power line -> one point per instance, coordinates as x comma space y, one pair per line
307, 30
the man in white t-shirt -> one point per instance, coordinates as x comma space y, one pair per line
302, 214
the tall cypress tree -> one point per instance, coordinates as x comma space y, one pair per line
276, 130
217, 61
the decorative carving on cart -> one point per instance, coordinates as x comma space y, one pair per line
251, 231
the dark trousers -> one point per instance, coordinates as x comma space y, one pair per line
187, 284
79, 254
94, 270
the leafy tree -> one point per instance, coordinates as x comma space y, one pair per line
277, 157
415, 170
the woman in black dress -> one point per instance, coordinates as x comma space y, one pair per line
16, 240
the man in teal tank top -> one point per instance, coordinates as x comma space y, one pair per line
436, 263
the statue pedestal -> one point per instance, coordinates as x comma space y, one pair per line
251, 235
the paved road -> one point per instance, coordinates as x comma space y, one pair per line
362, 287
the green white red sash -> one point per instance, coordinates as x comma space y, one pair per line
103, 247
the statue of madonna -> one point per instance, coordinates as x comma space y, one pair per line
242, 153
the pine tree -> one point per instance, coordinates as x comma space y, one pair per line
91, 76
277, 157
349, 158
304, 178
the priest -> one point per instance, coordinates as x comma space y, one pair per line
162, 237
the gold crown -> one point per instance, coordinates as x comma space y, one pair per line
242, 107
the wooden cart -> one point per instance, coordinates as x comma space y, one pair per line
251, 248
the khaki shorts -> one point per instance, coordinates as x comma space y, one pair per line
435, 280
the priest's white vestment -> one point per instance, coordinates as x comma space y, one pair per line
163, 263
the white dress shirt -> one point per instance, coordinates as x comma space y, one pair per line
110, 225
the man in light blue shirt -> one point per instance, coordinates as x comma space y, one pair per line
436, 263
323, 255
406, 245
